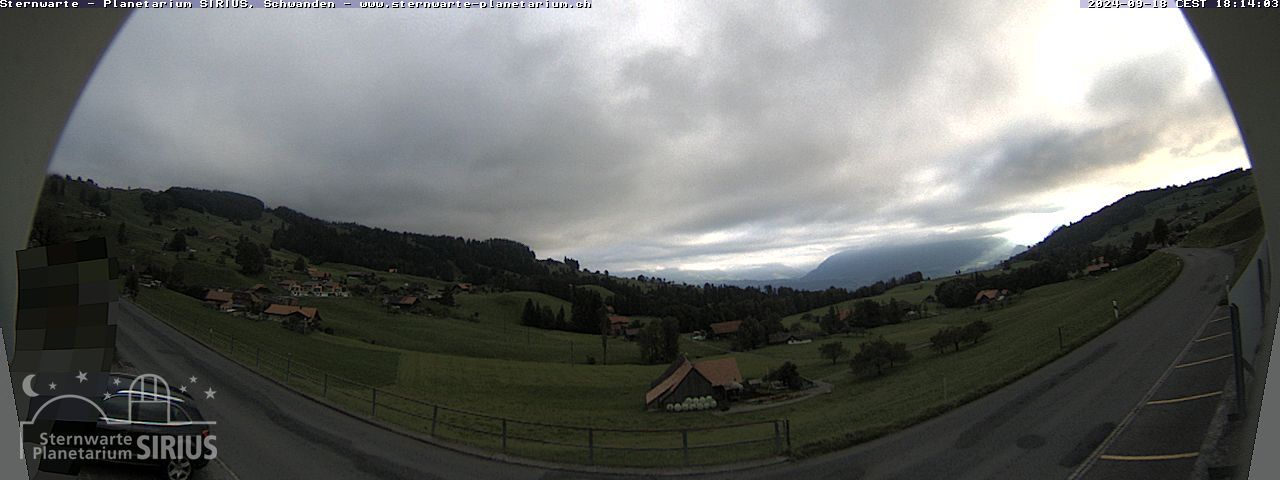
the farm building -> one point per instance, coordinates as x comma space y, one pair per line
219, 300
1098, 266
725, 328
293, 287
987, 296
719, 379
405, 303
300, 319
618, 324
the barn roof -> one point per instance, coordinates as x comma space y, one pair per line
991, 294
218, 296
720, 372
726, 327
277, 309
670, 383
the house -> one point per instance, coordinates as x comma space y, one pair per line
618, 324
405, 303
220, 300
725, 328
330, 288
788, 338
259, 288
1097, 267
844, 314
292, 286
392, 269
462, 287
299, 319
316, 274
991, 295
719, 379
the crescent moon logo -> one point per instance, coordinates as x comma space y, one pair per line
26, 386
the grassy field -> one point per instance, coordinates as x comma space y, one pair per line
1025, 337
476, 357
1239, 222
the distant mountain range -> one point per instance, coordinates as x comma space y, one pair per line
863, 266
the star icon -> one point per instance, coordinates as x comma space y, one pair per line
183, 389
192, 379
53, 386
208, 394
115, 381
82, 377
106, 396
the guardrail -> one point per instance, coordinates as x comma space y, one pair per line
589, 445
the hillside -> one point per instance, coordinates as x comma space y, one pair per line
1182, 208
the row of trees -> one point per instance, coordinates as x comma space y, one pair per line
541, 316
659, 341
954, 336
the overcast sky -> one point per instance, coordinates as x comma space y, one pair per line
734, 136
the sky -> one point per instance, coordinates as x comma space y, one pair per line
748, 139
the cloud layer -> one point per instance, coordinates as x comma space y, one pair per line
689, 135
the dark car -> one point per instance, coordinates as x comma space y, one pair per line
146, 417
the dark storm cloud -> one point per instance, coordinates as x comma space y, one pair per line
781, 126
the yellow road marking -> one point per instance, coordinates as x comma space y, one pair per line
1139, 458
1223, 334
1184, 399
1216, 320
1201, 362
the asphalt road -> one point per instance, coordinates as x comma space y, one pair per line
266, 431
1045, 425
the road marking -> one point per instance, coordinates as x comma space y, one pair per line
1143, 458
1088, 462
1211, 337
1219, 319
1184, 399
228, 469
1202, 362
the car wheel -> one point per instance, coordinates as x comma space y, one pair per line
178, 469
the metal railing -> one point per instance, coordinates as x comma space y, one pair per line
589, 445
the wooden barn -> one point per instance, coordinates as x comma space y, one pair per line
719, 379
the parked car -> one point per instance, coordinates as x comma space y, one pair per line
140, 414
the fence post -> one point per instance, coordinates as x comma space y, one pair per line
777, 437
324, 391
288, 368
591, 446
373, 409
435, 415
787, 425
684, 438
504, 436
